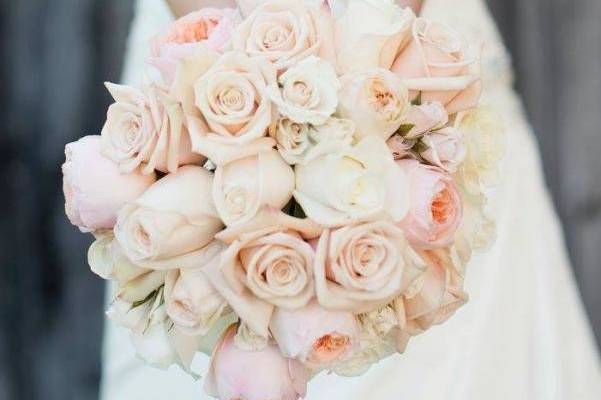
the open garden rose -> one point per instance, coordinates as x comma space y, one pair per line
361, 267
242, 187
94, 188
376, 100
439, 65
146, 127
307, 91
356, 183
444, 148
232, 97
317, 337
436, 209
210, 27
169, 225
370, 33
253, 375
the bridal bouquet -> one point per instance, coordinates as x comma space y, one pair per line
296, 187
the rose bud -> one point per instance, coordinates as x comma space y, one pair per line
444, 148
94, 188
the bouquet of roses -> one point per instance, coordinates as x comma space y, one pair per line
296, 187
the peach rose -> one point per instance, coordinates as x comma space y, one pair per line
232, 97
362, 267
171, 223
370, 33
242, 187
94, 188
210, 27
375, 100
444, 148
283, 32
436, 208
441, 65
317, 337
357, 183
253, 375
146, 127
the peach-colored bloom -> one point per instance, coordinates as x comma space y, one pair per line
237, 374
94, 188
435, 207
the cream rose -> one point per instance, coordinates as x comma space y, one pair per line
370, 33
484, 139
436, 207
146, 127
307, 91
376, 101
242, 187
355, 184
439, 65
168, 226
192, 303
94, 188
360, 268
106, 259
232, 97
444, 148
317, 337
301, 143
283, 32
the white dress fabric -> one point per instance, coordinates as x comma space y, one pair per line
522, 336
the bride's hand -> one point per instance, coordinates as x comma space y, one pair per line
183, 7
416, 5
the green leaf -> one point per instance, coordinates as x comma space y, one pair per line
418, 100
404, 129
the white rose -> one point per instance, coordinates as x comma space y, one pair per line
370, 33
308, 91
168, 226
108, 261
242, 187
301, 143
444, 148
146, 127
353, 184
377, 102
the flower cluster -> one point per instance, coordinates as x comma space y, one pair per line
298, 189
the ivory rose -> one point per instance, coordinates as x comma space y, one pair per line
168, 226
317, 337
484, 138
441, 65
444, 148
436, 208
361, 267
283, 32
301, 143
307, 91
106, 259
210, 27
232, 97
192, 303
241, 187
94, 188
370, 33
355, 184
376, 101
146, 127
253, 375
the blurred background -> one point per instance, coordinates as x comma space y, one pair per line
55, 56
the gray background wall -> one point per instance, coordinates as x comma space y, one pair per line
56, 54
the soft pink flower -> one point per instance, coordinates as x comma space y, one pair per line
237, 374
435, 207
315, 336
426, 117
210, 27
94, 188
444, 148
441, 65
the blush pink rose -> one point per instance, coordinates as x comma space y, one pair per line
444, 148
435, 206
210, 27
237, 374
441, 65
94, 188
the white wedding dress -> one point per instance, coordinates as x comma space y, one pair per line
523, 335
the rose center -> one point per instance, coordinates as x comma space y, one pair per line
329, 347
442, 206
236, 201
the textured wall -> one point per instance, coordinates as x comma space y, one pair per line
55, 55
